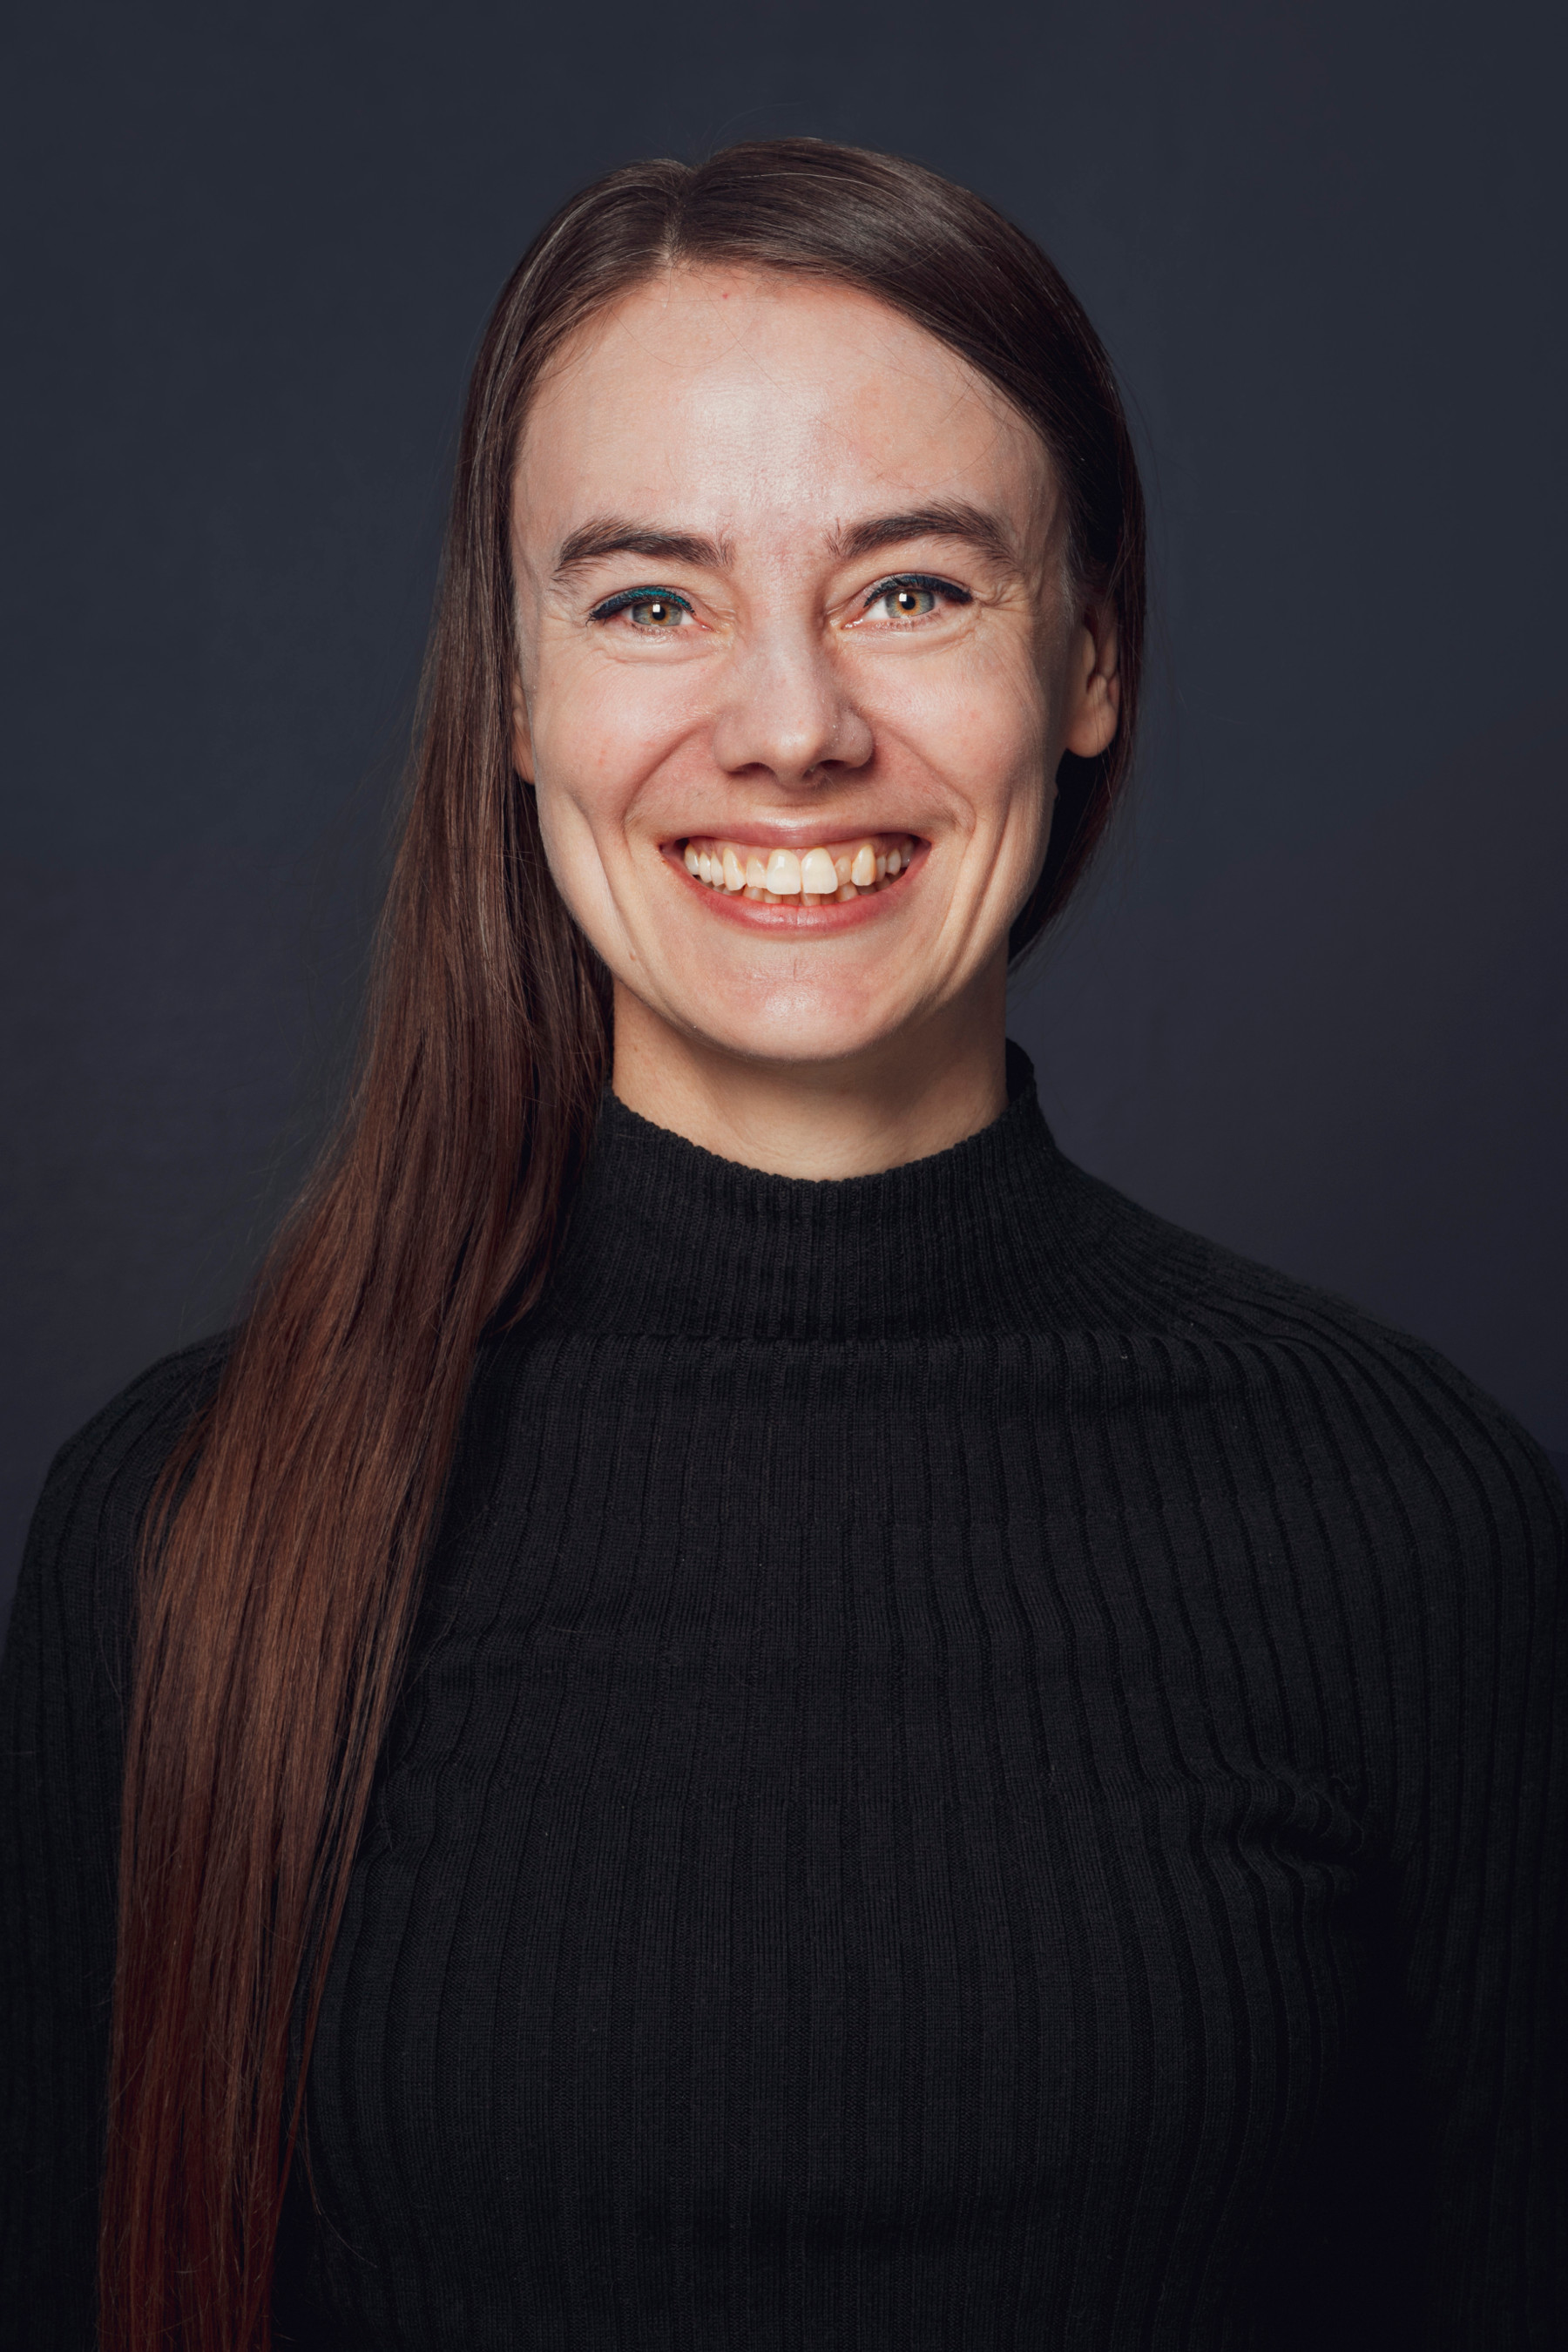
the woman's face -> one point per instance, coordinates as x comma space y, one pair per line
793, 612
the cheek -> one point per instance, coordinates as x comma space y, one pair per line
598, 738
982, 726
580, 794
1012, 755
570, 849
591, 757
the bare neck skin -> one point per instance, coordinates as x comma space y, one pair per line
798, 655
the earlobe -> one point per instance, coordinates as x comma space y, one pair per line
1093, 730
1092, 726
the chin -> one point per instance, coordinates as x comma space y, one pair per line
794, 1038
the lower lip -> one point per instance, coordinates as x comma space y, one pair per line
833, 915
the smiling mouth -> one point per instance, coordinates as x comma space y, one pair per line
836, 872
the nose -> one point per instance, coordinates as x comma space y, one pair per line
787, 710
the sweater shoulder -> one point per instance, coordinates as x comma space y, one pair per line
63, 1683
78, 1566
1350, 1393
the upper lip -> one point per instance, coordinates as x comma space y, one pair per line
789, 835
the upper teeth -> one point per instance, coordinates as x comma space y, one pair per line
810, 875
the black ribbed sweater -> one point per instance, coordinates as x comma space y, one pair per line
977, 1772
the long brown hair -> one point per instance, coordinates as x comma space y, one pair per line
281, 1559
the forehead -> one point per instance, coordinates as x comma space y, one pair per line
720, 399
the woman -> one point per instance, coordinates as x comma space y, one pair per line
758, 1715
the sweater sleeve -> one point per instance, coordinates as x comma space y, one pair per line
62, 1711
1479, 1826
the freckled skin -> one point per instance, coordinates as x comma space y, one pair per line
776, 689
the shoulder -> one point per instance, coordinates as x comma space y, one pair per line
63, 1689
74, 1591
100, 1481
1352, 1413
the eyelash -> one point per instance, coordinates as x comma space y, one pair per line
624, 597
926, 580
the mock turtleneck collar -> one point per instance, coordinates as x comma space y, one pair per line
665, 1237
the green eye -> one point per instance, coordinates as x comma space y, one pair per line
910, 599
651, 609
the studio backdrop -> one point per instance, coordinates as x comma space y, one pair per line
1315, 1004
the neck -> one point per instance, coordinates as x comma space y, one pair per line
905, 1098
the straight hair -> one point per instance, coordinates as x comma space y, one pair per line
280, 1562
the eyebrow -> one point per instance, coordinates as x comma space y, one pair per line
612, 535
948, 518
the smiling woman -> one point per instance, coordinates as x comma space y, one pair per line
760, 1716
864, 643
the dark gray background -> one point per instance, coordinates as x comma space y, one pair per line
1315, 1005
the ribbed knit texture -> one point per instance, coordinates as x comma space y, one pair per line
977, 1772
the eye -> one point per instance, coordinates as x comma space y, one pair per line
653, 610
912, 598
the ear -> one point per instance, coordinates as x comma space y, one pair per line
521, 733
1094, 687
